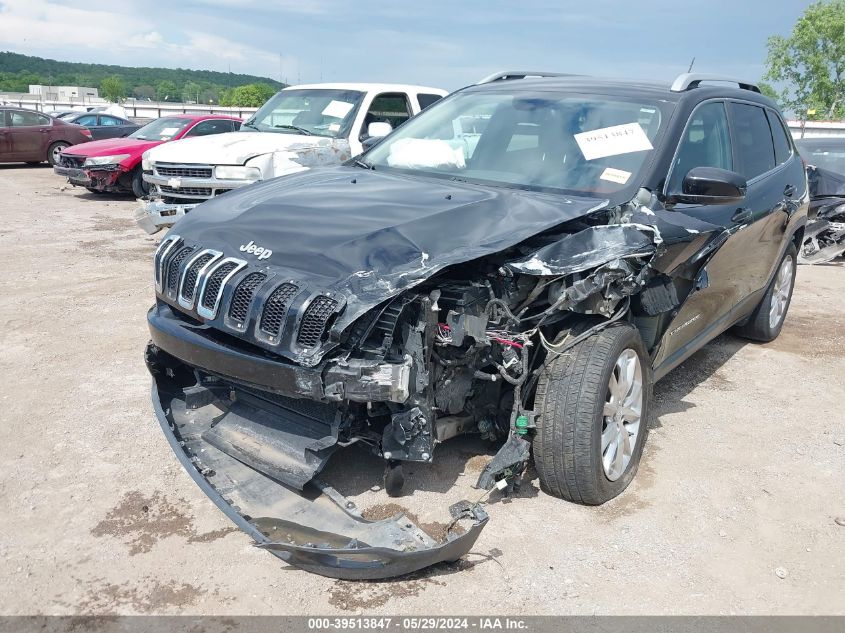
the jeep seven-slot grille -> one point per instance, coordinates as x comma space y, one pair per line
314, 321
184, 172
275, 309
173, 267
239, 308
190, 283
212, 286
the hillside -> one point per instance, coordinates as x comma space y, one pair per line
17, 72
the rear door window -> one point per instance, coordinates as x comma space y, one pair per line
752, 140
783, 146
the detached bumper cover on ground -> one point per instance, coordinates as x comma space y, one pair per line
317, 529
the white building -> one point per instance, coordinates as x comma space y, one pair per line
66, 93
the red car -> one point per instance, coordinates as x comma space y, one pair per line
114, 165
27, 136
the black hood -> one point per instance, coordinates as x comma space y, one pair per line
369, 235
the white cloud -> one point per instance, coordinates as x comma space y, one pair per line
124, 35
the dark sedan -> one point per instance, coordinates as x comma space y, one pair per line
103, 125
27, 136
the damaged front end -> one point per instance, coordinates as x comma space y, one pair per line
265, 368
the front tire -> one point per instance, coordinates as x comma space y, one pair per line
766, 322
140, 188
54, 150
593, 404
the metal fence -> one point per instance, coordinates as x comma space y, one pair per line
135, 109
154, 110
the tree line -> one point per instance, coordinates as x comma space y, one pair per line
117, 83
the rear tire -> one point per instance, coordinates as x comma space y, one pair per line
582, 416
140, 189
54, 150
766, 321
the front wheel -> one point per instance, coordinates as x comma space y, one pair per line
593, 404
140, 188
767, 319
54, 152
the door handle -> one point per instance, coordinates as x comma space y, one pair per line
741, 215
789, 191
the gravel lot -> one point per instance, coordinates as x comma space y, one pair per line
743, 473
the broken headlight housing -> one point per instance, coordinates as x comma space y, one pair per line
95, 161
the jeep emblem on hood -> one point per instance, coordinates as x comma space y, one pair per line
253, 249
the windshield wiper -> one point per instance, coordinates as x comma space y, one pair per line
250, 124
301, 130
362, 164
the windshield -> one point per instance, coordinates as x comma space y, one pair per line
586, 144
823, 154
319, 112
162, 129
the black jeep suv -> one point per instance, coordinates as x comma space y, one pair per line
521, 260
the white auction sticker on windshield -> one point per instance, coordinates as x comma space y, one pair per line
169, 131
337, 109
615, 175
612, 141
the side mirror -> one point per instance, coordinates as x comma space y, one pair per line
370, 141
712, 185
378, 129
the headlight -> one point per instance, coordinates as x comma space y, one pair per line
105, 160
236, 172
146, 163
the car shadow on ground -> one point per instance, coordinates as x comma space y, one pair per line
702, 368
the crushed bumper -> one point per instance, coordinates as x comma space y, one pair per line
155, 215
315, 529
75, 175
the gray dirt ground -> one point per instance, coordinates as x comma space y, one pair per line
743, 473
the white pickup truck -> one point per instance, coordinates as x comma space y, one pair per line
300, 127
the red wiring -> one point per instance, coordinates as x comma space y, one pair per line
502, 341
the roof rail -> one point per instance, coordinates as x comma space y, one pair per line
519, 74
687, 81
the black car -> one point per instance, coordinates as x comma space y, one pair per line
824, 239
522, 260
103, 125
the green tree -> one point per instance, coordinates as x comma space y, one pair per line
191, 91
112, 88
166, 91
768, 90
144, 92
250, 95
811, 61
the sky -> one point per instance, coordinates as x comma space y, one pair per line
447, 44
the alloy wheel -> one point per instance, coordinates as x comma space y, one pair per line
622, 414
780, 292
